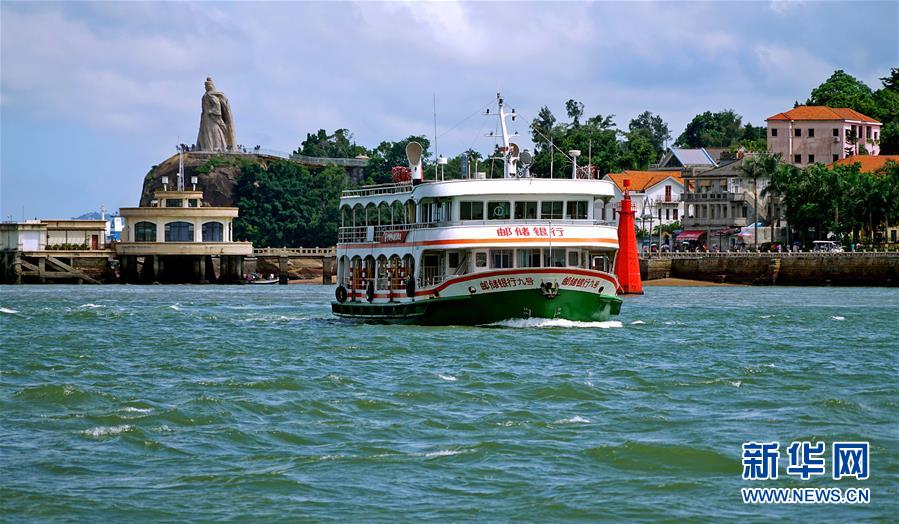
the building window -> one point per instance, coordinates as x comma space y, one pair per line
811, 159
668, 193
811, 133
797, 159
893, 236
797, 132
501, 258
660, 214
875, 135
193, 202
836, 157
525, 210
554, 257
528, 258
836, 131
173, 202
773, 131
179, 232
145, 232
471, 210
667, 214
551, 210
213, 232
577, 210
675, 213
498, 210
868, 132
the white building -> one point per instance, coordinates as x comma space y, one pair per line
655, 194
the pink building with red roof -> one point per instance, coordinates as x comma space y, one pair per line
809, 134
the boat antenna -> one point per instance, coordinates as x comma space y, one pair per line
436, 148
180, 166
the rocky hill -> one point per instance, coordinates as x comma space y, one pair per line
216, 174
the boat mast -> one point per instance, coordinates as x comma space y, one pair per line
510, 154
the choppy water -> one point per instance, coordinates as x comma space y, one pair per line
253, 403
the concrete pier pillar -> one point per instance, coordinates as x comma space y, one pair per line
201, 269
327, 269
41, 269
154, 267
238, 267
283, 276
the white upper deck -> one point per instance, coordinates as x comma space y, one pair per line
536, 187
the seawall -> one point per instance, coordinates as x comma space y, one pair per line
788, 269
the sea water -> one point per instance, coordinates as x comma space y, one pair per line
254, 403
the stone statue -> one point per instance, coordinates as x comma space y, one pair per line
216, 121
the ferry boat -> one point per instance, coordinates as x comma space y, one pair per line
478, 250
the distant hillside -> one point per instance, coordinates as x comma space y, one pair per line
92, 215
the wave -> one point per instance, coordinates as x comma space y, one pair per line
448, 378
555, 323
105, 431
91, 306
837, 318
577, 419
8, 311
176, 307
637, 323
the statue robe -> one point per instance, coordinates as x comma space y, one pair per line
216, 124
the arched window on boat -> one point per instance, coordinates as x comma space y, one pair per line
371, 215
397, 213
343, 271
396, 272
356, 273
346, 216
368, 268
383, 214
381, 282
213, 232
145, 232
410, 211
409, 265
179, 232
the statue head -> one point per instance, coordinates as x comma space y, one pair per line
210, 86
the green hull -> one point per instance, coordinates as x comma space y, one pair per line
487, 308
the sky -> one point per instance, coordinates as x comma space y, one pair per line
93, 94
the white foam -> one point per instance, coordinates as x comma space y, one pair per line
556, 323
577, 419
637, 322
91, 306
131, 409
737, 383
837, 318
104, 431
8, 311
766, 316
448, 378
176, 307
443, 453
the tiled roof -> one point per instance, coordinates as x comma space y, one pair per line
642, 180
822, 113
869, 163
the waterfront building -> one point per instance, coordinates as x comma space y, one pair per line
720, 203
177, 237
37, 250
655, 196
808, 134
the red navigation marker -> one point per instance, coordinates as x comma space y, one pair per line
627, 263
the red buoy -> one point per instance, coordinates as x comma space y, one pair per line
627, 263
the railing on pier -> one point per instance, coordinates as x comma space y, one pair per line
295, 251
760, 254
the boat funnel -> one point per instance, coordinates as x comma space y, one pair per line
413, 155
627, 263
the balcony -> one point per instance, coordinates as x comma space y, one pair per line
715, 222
714, 197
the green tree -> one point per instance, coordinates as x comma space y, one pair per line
721, 129
886, 100
337, 145
287, 205
387, 155
575, 111
764, 166
843, 90
653, 129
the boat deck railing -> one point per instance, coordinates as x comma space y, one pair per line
374, 234
379, 189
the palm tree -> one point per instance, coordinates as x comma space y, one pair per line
763, 165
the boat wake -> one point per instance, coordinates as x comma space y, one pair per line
555, 323
8, 311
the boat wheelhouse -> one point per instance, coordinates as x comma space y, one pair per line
476, 251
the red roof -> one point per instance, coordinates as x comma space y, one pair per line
869, 163
822, 113
640, 180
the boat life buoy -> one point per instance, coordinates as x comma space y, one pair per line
410, 287
340, 294
370, 291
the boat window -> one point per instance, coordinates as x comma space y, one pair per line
501, 258
577, 210
480, 259
452, 260
525, 210
551, 210
498, 210
528, 258
471, 211
574, 259
145, 232
554, 257
179, 232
